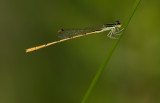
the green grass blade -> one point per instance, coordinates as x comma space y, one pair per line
107, 58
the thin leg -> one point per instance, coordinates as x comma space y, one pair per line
114, 38
118, 31
113, 32
109, 34
122, 29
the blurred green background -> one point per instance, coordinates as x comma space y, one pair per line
62, 73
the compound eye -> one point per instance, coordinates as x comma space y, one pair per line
117, 22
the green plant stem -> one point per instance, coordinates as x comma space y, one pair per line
107, 58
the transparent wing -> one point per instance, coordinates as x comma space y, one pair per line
67, 33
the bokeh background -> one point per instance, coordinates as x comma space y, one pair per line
62, 73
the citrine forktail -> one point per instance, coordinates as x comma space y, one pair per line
68, 34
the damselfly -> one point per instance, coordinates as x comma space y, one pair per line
67, 34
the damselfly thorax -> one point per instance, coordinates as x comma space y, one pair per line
67, 34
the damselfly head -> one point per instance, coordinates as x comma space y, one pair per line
60, 31
118, 24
